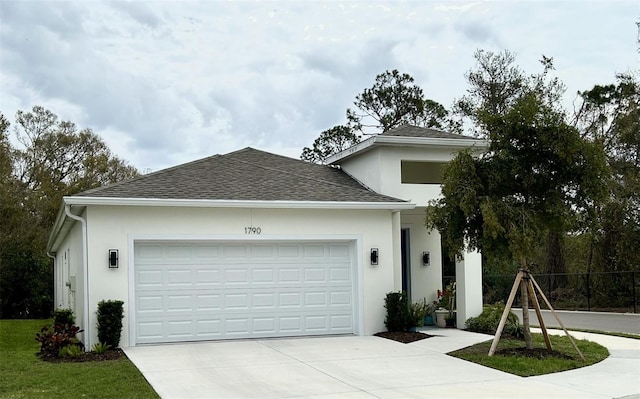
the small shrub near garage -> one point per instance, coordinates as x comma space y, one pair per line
398, 317
110, 314
487, 322
64, 316
60, 338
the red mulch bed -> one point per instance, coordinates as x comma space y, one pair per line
112, 354
405, 337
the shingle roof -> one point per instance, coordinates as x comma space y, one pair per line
415, 131
247, 174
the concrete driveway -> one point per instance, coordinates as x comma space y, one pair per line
368, 367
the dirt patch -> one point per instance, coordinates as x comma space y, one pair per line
112, 354
405, 337
538, 353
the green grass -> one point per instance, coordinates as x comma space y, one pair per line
23, 375
525, 366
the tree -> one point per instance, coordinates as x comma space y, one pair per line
56, 159
330, 142
495, 85
610, 114
535, 175
392, 101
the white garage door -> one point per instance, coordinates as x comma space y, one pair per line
205, 291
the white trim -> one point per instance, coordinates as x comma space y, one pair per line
405, 141
79, 200
356, 273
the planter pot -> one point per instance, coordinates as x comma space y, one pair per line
441, 314
450, 323
428, 320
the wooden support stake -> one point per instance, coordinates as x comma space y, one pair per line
505, 314
536, 306
546, 301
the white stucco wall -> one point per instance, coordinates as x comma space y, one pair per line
425, 280
69, 268
365, 168
118, 227
468, 287
379, 169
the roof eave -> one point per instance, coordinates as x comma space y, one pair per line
381, 140
206, 203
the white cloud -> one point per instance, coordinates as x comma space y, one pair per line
169, 82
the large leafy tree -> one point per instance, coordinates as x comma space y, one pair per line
55, 159
392, 101
535, 175
610, 114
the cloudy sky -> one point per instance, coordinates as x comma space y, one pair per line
168, 82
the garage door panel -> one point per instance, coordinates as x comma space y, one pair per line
208, 302
289, 275
187, 291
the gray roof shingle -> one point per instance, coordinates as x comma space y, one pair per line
247, 174
415, 131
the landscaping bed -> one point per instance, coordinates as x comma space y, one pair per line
113, 354
405, 337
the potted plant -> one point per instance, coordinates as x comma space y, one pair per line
430, 313
417, 313
446, 305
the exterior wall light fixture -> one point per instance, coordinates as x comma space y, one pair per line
426, 258
113, 259
374, 256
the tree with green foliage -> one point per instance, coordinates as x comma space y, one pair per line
55, 159
392, 101
535, 175
330, 142
610, 115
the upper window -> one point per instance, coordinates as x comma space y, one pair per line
421, 172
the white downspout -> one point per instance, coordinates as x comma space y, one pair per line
85, 269
52, 255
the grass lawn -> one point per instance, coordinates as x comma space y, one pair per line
526, 366
23, 375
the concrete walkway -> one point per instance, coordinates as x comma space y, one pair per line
370, 367
601, 321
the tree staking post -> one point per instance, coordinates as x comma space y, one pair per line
524, 277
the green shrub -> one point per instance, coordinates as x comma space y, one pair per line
64, 316
53, 338
110, 314
100, 348
398, 317
417, 312
487, 322
70, 351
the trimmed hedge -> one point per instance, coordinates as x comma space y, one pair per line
110, 314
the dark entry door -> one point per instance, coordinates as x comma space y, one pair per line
406, 261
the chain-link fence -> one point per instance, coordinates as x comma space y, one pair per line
595, 291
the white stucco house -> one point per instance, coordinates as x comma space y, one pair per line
252, 244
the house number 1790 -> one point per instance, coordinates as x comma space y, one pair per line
252, 230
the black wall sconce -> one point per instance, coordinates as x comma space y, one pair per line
426, 258
374, 256
113, 259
